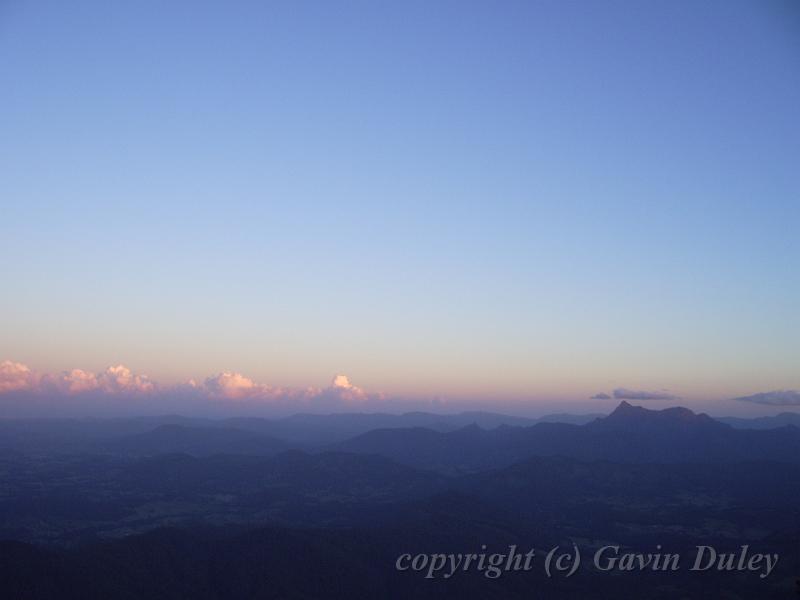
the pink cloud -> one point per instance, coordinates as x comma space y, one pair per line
15, 377
347, 393
218, 389
117, 379
233, 386
77, 381
121, 379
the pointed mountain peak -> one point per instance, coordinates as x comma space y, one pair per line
625, 409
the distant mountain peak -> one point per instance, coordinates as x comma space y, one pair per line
629, 415
626, 409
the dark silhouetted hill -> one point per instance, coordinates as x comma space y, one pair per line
630, 434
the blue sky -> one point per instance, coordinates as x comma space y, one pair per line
489, 200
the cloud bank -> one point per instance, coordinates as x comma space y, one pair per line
114, 380
774, 398
228, 388
627, 394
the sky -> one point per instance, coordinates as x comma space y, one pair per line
501, 203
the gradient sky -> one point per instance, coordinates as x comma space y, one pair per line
494, 200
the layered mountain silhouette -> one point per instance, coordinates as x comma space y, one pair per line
151, 435
307, 428
630, 434
779, 420
171, 507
